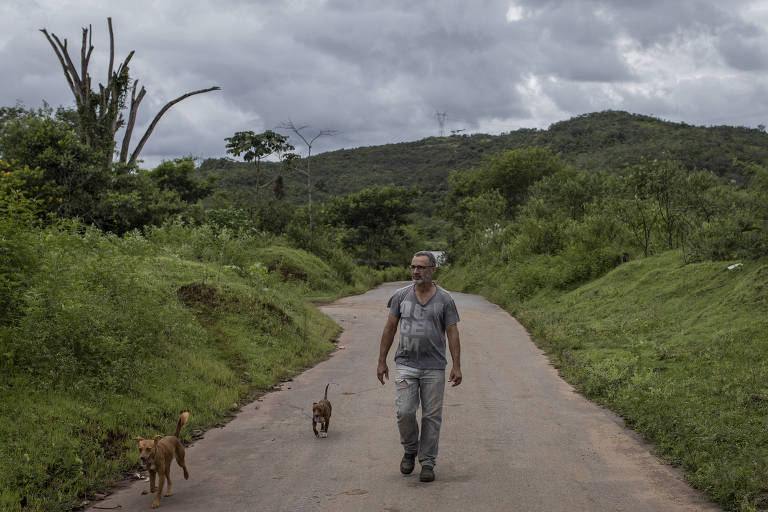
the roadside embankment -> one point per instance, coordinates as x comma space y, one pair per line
104, 338
680, 352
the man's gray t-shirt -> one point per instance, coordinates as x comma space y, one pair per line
422, 328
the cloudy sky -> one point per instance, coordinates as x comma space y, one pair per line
379, 72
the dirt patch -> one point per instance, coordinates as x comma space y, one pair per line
288, 272
199, 293
114, 443
761, 501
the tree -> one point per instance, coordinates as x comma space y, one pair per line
510, 172
639, 215
565, 194
133, 200
288, 125
27, 188
664, 183
279, 188
46, 161
254, 147
667, 185
374, 218
175, 175
100, 114
41, 140
638, 209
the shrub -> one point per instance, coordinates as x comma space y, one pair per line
19, 252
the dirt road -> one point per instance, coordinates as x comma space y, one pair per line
515, 437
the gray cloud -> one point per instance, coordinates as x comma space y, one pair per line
743, 47
378, 72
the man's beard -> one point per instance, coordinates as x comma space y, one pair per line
422, 280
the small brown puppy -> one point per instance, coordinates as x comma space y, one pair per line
156, 454
321, 413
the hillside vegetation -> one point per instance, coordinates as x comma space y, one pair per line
105, 338
622, 277
679, 351
603, 141
128, 295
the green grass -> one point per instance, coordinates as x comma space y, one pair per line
104, 338
680, 352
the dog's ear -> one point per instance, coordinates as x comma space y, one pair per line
139, 439
156, 438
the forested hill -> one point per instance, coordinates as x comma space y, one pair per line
600, 141
610, 140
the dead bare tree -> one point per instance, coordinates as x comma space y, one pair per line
100, 113
288, 125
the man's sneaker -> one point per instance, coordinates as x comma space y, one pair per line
427, 474
407, 464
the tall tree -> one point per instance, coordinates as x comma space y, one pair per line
254, 147
308, 141
100, 114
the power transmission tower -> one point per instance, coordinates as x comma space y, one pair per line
441, 121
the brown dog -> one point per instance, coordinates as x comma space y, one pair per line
321, 413
156, 454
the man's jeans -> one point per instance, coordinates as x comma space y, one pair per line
428, 386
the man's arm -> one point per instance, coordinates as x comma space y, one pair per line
387, 337
452, 332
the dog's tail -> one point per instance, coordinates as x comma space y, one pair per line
182, 421
326, 391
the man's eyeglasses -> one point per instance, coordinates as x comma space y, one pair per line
421, 267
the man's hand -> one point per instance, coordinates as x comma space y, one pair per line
455, 377
452, 332
382, 371
387, 337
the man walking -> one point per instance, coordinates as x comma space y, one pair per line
426, 314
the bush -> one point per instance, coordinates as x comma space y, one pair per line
210, 242
729, 238
19, 252
298, 267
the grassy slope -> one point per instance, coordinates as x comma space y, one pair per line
680, 352
114, 337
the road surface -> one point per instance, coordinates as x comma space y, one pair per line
515, 437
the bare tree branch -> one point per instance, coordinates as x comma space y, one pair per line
111, 62
83, 57
288, 125
154, 122
70, 65
135, 100
111, 50
86, 87
72, 86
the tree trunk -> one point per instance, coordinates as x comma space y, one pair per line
309, 195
